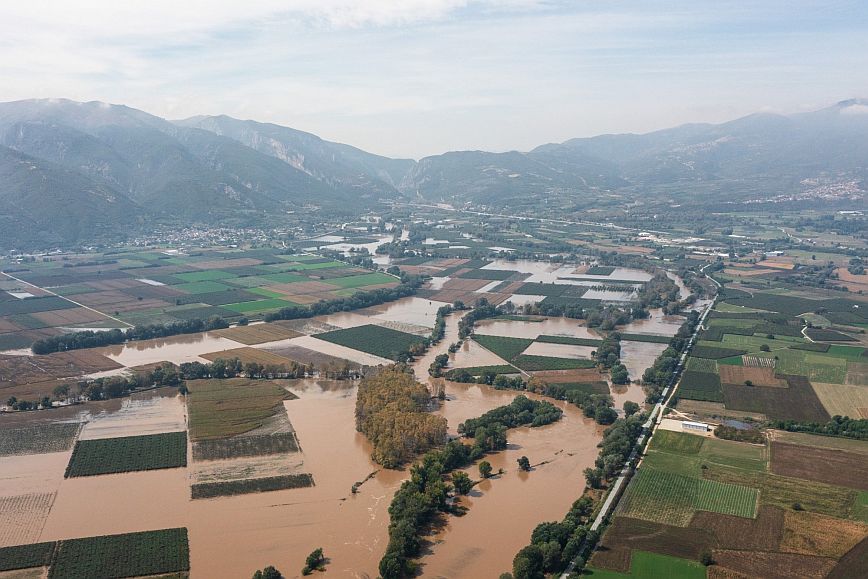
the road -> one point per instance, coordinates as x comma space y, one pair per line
81, 305
648, 430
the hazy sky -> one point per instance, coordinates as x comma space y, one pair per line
419, 77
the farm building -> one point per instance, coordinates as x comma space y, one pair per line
695, 426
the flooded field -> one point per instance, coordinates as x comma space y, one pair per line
152, 412
549, 327
657, 324
177, 349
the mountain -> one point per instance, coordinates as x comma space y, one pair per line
332, 163
42, 203
116, 170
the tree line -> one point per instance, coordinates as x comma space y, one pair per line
92, 339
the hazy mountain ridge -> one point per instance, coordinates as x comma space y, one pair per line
217, 169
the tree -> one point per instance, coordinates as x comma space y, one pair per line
594, 477
524, 463
528, 563
462, 483
314, 562
485, 469
268, 573
765, 348
630, 408
61, 392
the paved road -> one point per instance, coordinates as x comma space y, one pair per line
648, 430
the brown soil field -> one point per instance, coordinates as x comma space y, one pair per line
258, 334
776, 264
495, 299
304, 355
835, 467
853, 564
248, 355
748, 272
712, 409
69, 317
118, 301
854, 283
857, 374
451, 296
812, 534
634, 534
153, 292
718, 572
26, 369
758, 376
798, 402
511, 288
763, 533
467, 285
611, 556
7, 325
818, 441
774, 565
113, 284
843, 399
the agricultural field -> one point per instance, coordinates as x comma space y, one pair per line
128, 454
125, 288
53, 437
225, 408
372, 339
247, 486
646, 565
785, 509
511, 350
129, 555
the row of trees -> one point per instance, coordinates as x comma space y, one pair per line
91, 339
842, 426
407, 287
656, 377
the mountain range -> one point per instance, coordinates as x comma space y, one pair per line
72, 171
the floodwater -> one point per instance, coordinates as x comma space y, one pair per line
329, 348
177, 349
636, 356
151, 412
541, 271
512, 504
657, 324
549, 327
559, 350
410, 310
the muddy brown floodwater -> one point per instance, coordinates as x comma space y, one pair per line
177, 349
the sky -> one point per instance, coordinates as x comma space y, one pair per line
410, 78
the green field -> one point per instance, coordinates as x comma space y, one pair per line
247, 486
206, 275
259, 306
284, 277
539, 363
670, 498
363, 280
700, 386
676, 442
506, 348
128, 454
116, 556
644, 565
201, 287
480, 370
376, 340
569, 340
26, 556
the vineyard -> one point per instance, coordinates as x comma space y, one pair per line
128, 555
26, 556
55, 437
255, 485
249, 445
376, 340
127, 454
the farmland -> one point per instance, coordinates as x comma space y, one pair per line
132, 554
224, 408
377, 340
254, 485
128, 454
26, 556
55, 437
